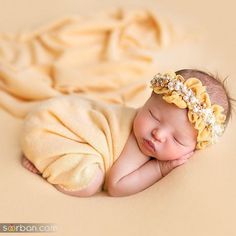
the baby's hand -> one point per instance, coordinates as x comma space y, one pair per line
167, 166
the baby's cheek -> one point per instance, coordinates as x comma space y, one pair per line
136, 126
173, 153
140, 125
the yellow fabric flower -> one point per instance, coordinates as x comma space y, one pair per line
202, 145
175, 98
160, 90
218, 110
196, 86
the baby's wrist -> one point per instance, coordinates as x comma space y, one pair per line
158, 167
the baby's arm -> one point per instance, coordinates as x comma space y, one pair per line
136, 181
133, 172
145, 176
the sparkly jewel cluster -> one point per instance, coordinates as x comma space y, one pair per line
170, 82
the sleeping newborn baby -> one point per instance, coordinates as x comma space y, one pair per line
82, 146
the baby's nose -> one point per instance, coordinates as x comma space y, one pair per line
158, 135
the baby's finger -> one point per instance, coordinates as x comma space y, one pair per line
167, 166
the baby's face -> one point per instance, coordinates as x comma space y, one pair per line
167, 127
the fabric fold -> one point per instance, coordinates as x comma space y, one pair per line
68, 137
103, 54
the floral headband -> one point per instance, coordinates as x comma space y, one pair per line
206, 118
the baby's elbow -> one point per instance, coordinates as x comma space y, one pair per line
112, 191
115, 193
118, 190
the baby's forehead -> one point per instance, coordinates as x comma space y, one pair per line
158, 103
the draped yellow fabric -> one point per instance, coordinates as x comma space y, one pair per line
67, 137
105, 56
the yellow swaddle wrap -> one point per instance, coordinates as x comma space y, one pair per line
67, 137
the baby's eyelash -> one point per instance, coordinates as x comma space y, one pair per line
153, 116
178, 141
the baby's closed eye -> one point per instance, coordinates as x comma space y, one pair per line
177, 141
153, 116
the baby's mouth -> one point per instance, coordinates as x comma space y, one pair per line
149, 145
